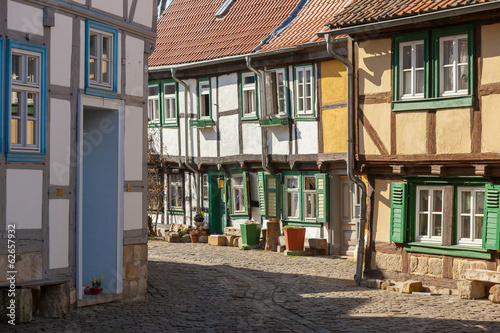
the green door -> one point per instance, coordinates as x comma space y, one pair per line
216, 203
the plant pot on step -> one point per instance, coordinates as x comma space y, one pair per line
95, 291
294, 238
250, 233
194, 239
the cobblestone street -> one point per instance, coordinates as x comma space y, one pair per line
202, 288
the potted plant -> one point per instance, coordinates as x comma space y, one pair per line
250, 232
294, 237
204, 230
199, 218
194, 235
96, 286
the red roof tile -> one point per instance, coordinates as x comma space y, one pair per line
311, 19
188, 31
367, 11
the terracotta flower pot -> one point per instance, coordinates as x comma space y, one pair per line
95, 291
294, 239
194, 239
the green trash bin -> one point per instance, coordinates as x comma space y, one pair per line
250, 233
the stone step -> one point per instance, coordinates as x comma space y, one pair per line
482, 275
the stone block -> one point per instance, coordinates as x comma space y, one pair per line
394, 288
142, 288
202, 239
217, 240
229, 240
317, 243
482, 275
173, 237
419, 265
133, 289
55, 301
72, 296
281, 240
140, 252
128, 253
237, 242
410, 286
3, 268
394, 262
460, 266
143, 270
495, 294
125, 289
22, 309
23, 267
186, 239
386, 284
436, 266
470, 289
379, 260
232, 232
281, 248
372, 283
132, 271
36, 266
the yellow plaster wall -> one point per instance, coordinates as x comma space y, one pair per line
333, 82
382, 210
490, 123
335, 130
375, 66
490, 53
411, 133
379, 116
453, 131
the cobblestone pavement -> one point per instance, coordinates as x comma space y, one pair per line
202, 288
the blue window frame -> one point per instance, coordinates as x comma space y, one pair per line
101, 60
26, 101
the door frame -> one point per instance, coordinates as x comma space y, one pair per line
118, 106
223, 199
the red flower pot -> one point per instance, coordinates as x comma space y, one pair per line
294, 239
95, 291
194, 239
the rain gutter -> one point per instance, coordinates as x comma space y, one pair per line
446, 13
350, 159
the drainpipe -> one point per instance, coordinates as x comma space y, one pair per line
263, 104
186, 135
350, 157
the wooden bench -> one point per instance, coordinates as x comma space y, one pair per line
49, 297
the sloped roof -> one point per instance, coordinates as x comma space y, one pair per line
368, 11
311, 19
189, 31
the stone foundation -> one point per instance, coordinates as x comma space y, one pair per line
28, 267
135, 272
386, 261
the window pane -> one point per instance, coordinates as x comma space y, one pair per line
237, 194
301, 105
479, 228
465, 226
293, 204
300, 77
105, 71
420, 55
448, 78
31, 104
480, 203
463, 77
436, 225
156, 110
448, 52
169, 89
93, 45
309, 184
424, 200
92, 69
153, 90
204, 106
32, 64
407, 57
15, 130
463, 52
310, 211
16, 67
309, 103
249, 79
292, 183
105, 47
466, 199
407, 83
31, 132
14, 101
419, 88
308, 90
423, 222
438, 201
237, 181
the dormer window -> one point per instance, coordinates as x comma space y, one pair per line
224, 8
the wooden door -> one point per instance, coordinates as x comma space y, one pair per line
349, 215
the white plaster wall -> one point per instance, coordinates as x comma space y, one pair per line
170, 141
133, 143
111, 6
228, 92
58, 233
24, 18
307, 136
60, 61
252, 139
60, 141
24, 198
229, 135
208, 142
134, 76
132, 210
278, 138
313, 233
143, 12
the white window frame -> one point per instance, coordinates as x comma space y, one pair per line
301, 90
428, 238
473, 240
204, 91
151, 106
275, 103
171, 100
177, 184
25, 87
249, 89
292, 191
241, 198
413, 69
455, 66
311, 194
98, 80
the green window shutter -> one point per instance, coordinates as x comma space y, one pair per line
247, 192
261, 178
491, 218
322, 198
399, 204
272, 191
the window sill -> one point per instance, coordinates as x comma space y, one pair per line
249, 118
201, 123
278, 121
433, 103
154, 125
93, 91
25, 157
453, 250
175, 211
170, 124
305, 118
303, 223
240, 216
